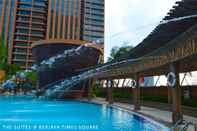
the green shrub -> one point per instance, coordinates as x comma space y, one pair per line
190, 102
118, 94
155, 99
32, 76
127, 95
98, 92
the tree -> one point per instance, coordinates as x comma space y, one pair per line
32, 76
3, 52
9, 69
2, 60
116, 53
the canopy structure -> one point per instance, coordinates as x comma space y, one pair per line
173, 40
170, 48
167, 31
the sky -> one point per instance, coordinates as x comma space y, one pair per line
128, 22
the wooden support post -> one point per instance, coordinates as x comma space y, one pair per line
90, 91
106, 93
176, 94
136, 94
169, 95
110, 92
83, 88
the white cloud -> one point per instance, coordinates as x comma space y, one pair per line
127, 15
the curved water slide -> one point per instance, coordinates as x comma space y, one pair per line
71, 58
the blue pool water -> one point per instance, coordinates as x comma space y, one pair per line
29, 114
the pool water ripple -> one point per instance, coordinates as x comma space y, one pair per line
25, 113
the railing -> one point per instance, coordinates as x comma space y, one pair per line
183, 125
176, 125
186, 127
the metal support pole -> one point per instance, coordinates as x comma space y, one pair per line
136, 94
176, 94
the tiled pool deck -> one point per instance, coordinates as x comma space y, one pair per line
161, 116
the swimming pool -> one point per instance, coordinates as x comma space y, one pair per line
27, 113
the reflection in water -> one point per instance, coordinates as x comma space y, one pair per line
30, 111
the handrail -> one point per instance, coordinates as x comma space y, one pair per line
177, 124
184, 128
185, 125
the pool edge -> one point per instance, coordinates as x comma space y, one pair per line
153, 120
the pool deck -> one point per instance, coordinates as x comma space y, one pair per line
161, 116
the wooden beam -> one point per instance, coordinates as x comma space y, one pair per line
177, 50
110, 91
169, 95
106, 93
90, 91
136, 93
176, 94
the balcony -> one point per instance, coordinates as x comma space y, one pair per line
20, 40
29, 35
22, 21
37, 4
23, 60
19, 60
94, 28
31, 22
93, 33
23, 15
33, 16
39, 11
22, 27
32, 10
38, 29
32, 28
39, 23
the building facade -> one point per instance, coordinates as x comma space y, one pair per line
93, 20
23, 22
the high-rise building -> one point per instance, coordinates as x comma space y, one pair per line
93, 20
23, 22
